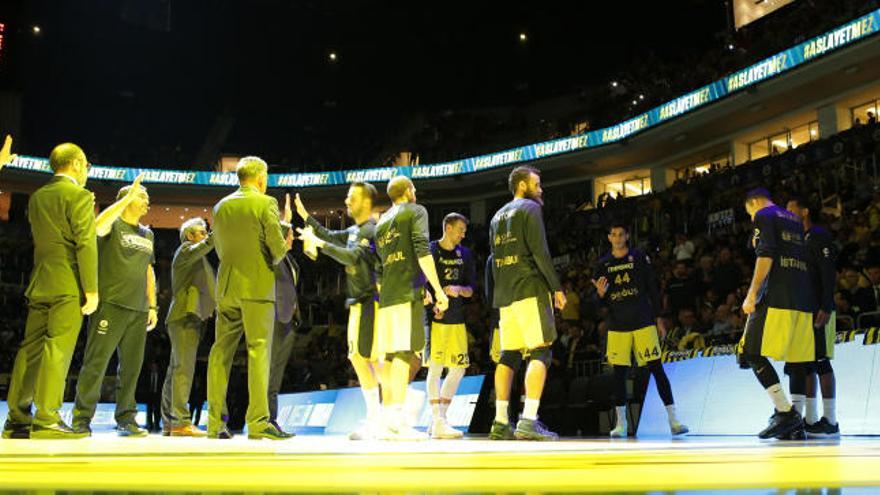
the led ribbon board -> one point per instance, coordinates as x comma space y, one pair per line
849, 33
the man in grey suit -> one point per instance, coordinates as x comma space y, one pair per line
287, 320
63, 288
250, 241
192, 303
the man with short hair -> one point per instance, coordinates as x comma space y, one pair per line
779, 303
127, 284
406, 261
823, 275
192, 303
250, 241
448, 339
627, 285
526, 289
355, 249
63, 287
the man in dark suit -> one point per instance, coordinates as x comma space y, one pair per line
250, 241
192, 303
287, 320
63, 288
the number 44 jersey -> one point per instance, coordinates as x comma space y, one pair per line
633, 296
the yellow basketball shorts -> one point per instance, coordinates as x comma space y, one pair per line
527, 324
644, 342
448, 345
401, 328
780, 334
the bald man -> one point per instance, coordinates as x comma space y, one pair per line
63, 287
406, 261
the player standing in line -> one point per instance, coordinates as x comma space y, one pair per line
355, 249
779, 304
526, 287
823, 275
448, 339
626, 283
406, 261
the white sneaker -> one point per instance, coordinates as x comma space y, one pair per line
677, 428
367, 431
407, 433
441, 430
619, 431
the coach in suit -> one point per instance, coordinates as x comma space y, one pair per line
287, 320
63, 288
250, 241
192, 303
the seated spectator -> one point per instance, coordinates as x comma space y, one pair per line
684, 248
722, 329
681, 290
867, 299
571, 313
687, 325
726, 276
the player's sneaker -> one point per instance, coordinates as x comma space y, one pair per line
406, 433
501, 431
823, 429
532, 429
678, 429
781, 424
619, 431
794, 435
367, 431
440, 430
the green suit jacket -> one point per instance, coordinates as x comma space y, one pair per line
249, 241
62, 218
192, 281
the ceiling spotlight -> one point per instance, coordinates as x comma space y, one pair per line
635, 102
730, 46
333, 56
641, 97
523, 37
36, 30
613, 84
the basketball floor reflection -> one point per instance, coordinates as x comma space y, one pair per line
334, 464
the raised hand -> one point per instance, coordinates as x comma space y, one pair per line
287, 213
6, 155
601, 285
301, 208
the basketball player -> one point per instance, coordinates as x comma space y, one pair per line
626, 284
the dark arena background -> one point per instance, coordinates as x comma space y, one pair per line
661, 133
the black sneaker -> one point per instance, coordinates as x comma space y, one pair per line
528, 429
131, 430
223, 434
278, 427
268, 432
58, 431
501, 431
82, 428
823, 429
794, 435
16, 431
781, 424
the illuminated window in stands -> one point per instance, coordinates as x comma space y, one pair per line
702, 167
635, 186
865, 111
776, 144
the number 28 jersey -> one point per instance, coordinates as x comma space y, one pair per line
633, 295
